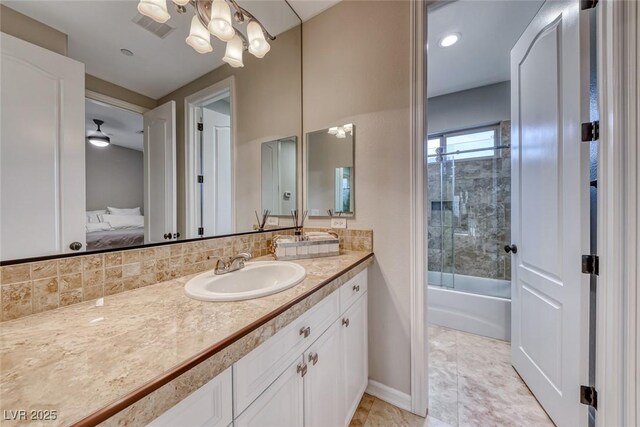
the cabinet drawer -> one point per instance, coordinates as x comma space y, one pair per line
209, 406
354, 288
257, 370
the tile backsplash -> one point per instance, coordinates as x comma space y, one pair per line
31, 288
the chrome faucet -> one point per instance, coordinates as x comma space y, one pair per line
228, 265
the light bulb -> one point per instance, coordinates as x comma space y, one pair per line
341, 133
333, 130
154, 9
199, 38
449, 40
220, 24
233, 53
258, 45
348, 127
181, 2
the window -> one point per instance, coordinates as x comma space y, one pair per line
468, 144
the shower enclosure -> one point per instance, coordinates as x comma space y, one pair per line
469, 199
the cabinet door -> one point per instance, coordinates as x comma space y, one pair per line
355, 355
208, 406
281, 405
323, 389
42, 138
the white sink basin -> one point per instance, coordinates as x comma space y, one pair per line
256, 279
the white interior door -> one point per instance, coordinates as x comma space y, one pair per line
217, 208
550, 211
270, 178
42, 177
160, 222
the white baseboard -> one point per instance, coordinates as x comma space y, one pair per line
389, 395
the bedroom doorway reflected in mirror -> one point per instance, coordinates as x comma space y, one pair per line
114, 176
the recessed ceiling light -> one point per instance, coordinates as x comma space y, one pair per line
449, 40
126, 52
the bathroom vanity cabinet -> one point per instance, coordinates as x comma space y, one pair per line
313, 372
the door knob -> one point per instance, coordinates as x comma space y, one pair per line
75, 246
512, 248
345, 322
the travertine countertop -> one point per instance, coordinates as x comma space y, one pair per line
79, 359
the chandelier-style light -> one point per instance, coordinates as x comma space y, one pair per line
214, 17
341, 131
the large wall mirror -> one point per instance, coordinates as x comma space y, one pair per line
330, 171
120, 130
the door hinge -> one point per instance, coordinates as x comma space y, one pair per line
200, 179
201, 231
591, 264
589, 396
200, 127
591, 131
588, 4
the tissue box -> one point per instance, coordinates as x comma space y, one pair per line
296, 247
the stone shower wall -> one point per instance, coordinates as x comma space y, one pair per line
468, 236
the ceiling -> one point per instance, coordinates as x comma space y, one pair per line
488, 29
307, 9
97, 31
122, 126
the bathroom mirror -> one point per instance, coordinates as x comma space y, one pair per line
279, 176
119, 130
330, 171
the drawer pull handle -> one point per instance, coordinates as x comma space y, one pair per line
302, 369
313, 357
345, 322
356, 288
305, 331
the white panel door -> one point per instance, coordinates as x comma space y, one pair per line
270, 178
550, 211
355, 356
160, 222
281, 405
217, 167
323, 391
42, 176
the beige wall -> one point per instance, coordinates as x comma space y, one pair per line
113, 90
356, 70
268, 100
28, 29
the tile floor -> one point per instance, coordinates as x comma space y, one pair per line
471, 384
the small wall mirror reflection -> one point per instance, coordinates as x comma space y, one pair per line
330, 171
279, 177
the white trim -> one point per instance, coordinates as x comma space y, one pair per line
192, 102
389, 395
618, 315
114, 102
418, 256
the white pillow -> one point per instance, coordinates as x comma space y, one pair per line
94, 216
122, 222
98, 226
123, 211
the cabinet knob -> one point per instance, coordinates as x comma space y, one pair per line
356, 288
167, 236
345, 322
313, 357
302, 369
75, 246
305, 331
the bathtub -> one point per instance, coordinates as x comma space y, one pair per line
459, 308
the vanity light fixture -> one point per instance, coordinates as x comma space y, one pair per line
214, 17
154, 9
341, 132
97, 137
449, 40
